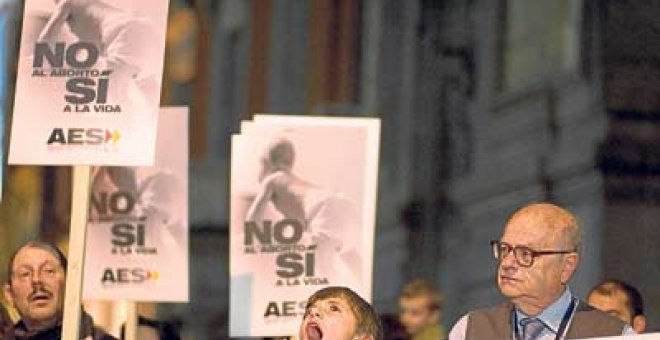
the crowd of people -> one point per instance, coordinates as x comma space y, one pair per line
537, 253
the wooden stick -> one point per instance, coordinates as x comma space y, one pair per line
76, 257
131, 320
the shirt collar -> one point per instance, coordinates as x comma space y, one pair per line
553, 314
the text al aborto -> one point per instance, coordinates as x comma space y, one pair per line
84, 86
285, 232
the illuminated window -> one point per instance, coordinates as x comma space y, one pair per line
541, 40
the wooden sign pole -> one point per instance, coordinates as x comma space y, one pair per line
76, 256
131, 320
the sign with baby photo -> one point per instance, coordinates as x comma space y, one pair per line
137, 230
88, 82
303, 200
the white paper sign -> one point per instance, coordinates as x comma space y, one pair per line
303, 192
137, 235
88, 82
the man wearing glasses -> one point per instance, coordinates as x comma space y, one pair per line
538, 254
35, 287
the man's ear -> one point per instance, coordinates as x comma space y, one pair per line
639, 324
571, 261
8, 295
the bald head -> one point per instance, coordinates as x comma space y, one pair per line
559, 221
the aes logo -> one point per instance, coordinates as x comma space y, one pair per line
80, 136
128, 275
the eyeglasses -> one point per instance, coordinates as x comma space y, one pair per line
25, 275
524, 255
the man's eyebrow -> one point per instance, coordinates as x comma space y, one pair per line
522, 244
24, 266
46, 262
49, 263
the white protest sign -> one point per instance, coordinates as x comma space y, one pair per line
303, 193
88, 82
137, 234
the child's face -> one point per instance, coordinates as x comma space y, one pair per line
328, 319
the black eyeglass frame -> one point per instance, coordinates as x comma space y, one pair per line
496, 245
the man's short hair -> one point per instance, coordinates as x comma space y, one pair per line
56, 252
368, 321
634, 300
423, 288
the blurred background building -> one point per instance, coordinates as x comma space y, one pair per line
485, 106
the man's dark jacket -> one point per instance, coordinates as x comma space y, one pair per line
87, 329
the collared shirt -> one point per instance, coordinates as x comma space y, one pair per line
551, 317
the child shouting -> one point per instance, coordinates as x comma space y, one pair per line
338, 313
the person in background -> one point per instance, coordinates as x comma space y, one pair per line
35, 288
338, 313
538, 254
621, 300
420, 310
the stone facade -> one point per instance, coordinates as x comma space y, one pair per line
461, 147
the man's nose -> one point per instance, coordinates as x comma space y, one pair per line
36, 278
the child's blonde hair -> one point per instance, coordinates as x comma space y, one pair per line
367, 321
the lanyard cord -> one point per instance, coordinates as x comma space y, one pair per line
562, 326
